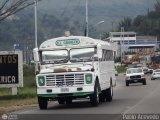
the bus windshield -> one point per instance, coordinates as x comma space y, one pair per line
82, 54
56, 57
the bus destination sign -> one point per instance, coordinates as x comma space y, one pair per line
67, 42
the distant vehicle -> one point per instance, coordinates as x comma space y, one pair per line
155, 74
150, 71
116, 73
145, 70
117, 64
135, 75
131, 66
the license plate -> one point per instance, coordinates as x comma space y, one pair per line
135, 80
64, 89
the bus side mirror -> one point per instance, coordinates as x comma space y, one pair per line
35, 55
99, 51
95, 57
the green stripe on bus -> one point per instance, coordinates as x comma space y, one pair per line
65, 94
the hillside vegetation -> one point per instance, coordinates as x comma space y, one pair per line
57, 16
148, 24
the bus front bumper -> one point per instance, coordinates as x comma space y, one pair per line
55, 92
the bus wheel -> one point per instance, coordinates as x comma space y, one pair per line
43, 103
94, 98
109, 94
69, 101
102, 97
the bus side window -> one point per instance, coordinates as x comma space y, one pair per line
103, 55
108, 55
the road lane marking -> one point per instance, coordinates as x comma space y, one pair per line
141, 101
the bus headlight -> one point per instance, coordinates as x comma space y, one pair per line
41, 80
88, 78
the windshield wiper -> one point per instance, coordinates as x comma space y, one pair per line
83, 59
75, 59
55, 61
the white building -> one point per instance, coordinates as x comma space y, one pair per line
129, 42
123, 37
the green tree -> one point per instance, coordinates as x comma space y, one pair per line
138, 20
126, 23
157, 6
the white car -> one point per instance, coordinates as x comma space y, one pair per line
150, 71
135, 75
145, 70
155, 74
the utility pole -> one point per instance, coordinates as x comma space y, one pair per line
36, 43
86, 27
112, 26
121, 42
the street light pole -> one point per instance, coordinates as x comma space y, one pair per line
100, 22
112, 26
35, 11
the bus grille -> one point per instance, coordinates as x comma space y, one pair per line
65, 80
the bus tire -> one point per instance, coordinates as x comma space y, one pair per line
68, 101
94, 98
109, 93
43, 103
102, 96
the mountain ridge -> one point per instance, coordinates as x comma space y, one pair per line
110, 11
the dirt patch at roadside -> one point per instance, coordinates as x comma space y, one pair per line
5, 110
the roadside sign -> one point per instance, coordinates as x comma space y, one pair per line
11, 69
16, 47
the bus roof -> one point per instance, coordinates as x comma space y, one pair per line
69, 42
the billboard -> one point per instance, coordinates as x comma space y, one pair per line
11, 69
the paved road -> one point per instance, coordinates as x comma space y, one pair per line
135, 99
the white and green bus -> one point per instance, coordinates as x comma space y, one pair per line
74, 67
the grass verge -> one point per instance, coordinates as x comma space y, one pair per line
26, 95
14, 104
121, 69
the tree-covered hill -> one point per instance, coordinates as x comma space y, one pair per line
107, 10
148, 24
57, 16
